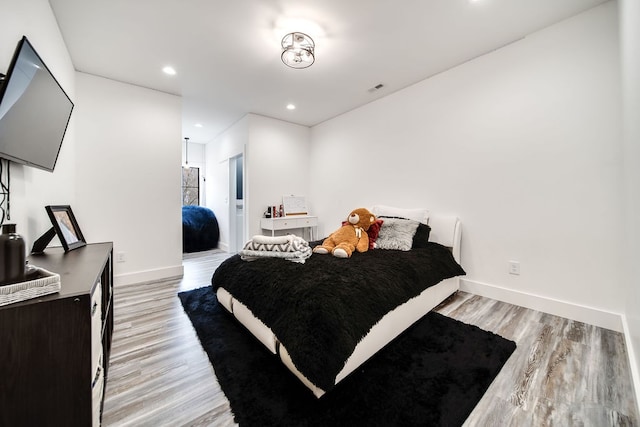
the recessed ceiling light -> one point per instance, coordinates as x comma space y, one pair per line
169, 70
198, 125
291, 107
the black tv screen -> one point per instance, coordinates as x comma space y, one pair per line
34, 111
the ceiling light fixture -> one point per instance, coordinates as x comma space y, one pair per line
169, 70
297, 50
291, 107
186, 152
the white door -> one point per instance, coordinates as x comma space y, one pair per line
236, 207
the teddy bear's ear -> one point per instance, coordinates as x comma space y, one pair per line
371, 218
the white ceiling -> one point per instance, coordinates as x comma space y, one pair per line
227, 52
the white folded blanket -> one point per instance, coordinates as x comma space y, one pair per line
290, 247
271, 240
248, 255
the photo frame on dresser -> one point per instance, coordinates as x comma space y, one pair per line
66, 227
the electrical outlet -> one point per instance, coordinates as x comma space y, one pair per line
514, 267
120, 257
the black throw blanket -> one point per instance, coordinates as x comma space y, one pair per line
433, 374
321, 309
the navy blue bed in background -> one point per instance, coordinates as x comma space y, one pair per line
200, 230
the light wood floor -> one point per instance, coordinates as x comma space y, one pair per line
563, 373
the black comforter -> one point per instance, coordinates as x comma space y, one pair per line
321, 309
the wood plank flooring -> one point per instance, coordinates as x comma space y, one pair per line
563, 373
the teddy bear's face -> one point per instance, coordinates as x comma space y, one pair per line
361, 218
354, 218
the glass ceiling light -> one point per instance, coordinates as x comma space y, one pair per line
186, 152
297, 50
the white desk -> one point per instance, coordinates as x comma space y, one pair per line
290, 222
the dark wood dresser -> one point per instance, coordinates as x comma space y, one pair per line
54, 350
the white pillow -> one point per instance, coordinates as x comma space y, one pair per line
420, 215
396, 234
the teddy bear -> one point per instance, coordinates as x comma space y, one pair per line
350, 237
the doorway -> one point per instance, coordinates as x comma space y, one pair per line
236, 205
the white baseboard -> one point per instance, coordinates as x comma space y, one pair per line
149, 275
580, 313
633, 361
223, 246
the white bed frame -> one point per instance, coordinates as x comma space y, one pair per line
445, 230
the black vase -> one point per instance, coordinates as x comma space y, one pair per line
12, 256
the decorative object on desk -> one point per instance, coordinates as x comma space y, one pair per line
12, 256
294, 205
39, 282
65, 226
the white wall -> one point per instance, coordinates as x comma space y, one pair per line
229, 144
32, 189
103, 168
128, 179
630, 49
277, 163
276, 158
522, 143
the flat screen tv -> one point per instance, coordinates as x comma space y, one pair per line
34, 111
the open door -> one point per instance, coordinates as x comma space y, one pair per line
236, 205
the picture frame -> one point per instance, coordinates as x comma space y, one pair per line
66, 227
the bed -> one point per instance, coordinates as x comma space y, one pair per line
326, 317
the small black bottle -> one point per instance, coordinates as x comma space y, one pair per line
12, 256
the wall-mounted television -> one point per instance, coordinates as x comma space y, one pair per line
34, 111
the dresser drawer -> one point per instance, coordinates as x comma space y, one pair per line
285, 224
307, 222
290, 223
97, 392
96, 326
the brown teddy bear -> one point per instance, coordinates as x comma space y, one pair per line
350, 237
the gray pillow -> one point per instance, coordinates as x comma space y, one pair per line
396, 234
